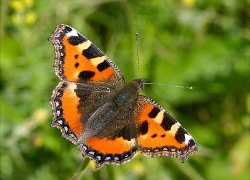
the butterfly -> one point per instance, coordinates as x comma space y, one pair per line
104, 116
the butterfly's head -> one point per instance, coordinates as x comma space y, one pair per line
139, 83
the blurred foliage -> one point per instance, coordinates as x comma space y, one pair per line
204, 44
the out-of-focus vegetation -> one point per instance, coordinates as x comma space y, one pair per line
204, 44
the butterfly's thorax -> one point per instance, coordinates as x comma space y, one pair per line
120, 101
128, 92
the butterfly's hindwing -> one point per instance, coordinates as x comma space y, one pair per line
158, 133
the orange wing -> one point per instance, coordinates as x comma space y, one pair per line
111, 151
79, 60
159, 134
66, 117
72, 106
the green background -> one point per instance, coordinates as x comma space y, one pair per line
204, 44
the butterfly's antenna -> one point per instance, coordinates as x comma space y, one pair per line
138, 68
171, 85
137, 54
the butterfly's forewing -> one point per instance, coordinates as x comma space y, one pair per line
79, 60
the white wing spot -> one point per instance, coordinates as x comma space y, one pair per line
58, 112
60, 122
91, 152
187, 138
98, 157
107, 158
66, 128
57, 103
72, 33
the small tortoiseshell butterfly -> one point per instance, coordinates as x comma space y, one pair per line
102, 114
